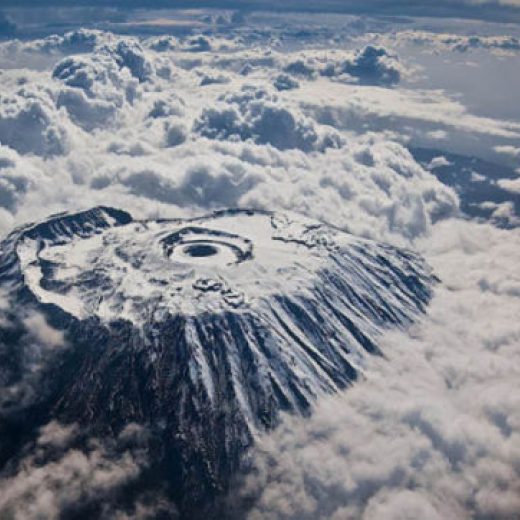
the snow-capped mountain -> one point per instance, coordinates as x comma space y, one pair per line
204, 330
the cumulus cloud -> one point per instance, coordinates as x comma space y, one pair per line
44, 51
198, 44
55, 469
159, 145
512, 185
299, 67
29, 123
117, 129
285, 82
370, 65
100, 84
28, 344
208, 79
256, 115
509, 150
14, 182
432, 431
72, 42
66, 473
438, 162
438, 42
42, 332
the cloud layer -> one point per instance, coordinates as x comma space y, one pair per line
129, 125
433, 430
67, 472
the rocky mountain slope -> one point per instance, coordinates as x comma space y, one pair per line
202, 331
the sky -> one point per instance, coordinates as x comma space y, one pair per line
404, 130
488, 10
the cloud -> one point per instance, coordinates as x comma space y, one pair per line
285, 82
512, 185
255, 114
413, 114
212, 80
438, 162
28, 345
442, 42
29, 123
505, 212
16, 52
160, 144
97, 86
299, 67
129, 134
370, 65
57, 435
58, 469
432, 432
42, 332
509, 150
13, 182
72, 42
198, 44
60, 476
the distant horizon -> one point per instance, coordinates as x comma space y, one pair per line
486, 11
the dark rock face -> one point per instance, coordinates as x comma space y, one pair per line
199, 331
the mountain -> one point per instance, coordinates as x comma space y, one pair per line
201, 330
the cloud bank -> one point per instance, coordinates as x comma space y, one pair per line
433, 431
128, 125
69, 473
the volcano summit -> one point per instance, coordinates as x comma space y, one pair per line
203, 330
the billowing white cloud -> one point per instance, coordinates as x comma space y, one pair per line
62, 473
370, 65
164, 143
29, 123
254, 114
509, 150
442, 42
512, 185
23, 361
432, 432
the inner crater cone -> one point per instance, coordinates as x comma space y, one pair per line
200, 250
